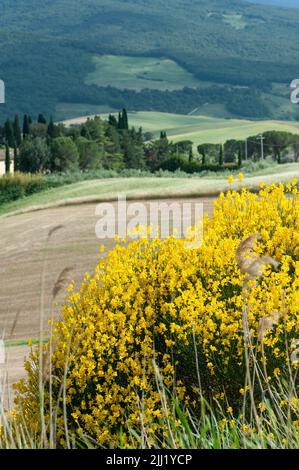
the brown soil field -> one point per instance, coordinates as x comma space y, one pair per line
30, 264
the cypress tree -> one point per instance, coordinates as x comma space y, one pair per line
221, 160
17, 131
41, 119
125, 120
51, 129
9, 133
26, 126
120, 124
7, 159
112, 121
16, 159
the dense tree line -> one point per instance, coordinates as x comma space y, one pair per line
281, 146
245, 102
42, 146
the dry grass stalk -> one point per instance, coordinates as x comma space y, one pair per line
54, 229
267, 323
62, 281
249, 262
13, 327
253, 265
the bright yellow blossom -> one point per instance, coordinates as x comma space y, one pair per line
149, 302
240, 177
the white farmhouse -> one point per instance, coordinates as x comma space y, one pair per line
2, 161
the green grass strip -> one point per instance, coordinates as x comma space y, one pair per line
10, 343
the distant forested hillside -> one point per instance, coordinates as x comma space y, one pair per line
245, 54
280, 3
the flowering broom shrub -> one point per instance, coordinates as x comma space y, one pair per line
157, 302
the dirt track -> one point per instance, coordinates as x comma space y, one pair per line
25, 255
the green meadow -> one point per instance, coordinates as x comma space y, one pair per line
198, 129
203, 129
149, 187
137, 73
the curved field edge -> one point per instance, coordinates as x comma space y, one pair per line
143, 188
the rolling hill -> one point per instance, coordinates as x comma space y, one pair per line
280, 3
237, 55
199, 129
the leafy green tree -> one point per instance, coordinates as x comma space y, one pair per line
295, 146
73, 132
34, 155
157, 152
89, 154
64, 155
253, 148
132, 146
191, 155
232, 148
148, 136
93, 129
276, 143
38, 129
112, 139
182, 147
112, 158
113, 161
85, 133
209, 153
